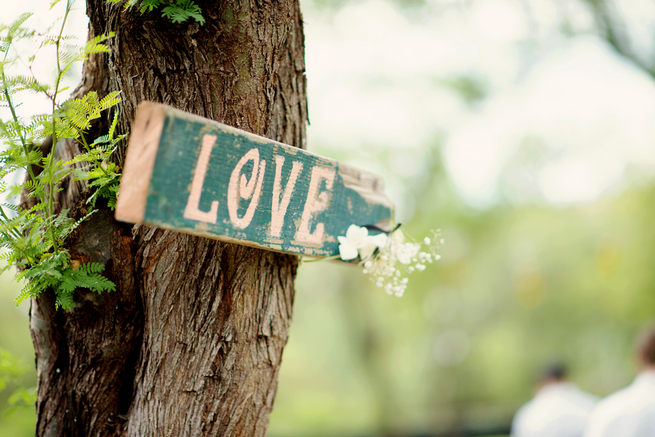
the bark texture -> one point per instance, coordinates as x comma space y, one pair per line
190, 343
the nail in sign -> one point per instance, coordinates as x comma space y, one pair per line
194, 175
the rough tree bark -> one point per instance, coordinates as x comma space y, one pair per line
190, 343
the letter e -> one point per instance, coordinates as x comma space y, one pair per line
315, 203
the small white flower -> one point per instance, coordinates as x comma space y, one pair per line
355, 239
357, 235
346, 250
404, 252
388, 258
379, 240
371, 243
397, 237
358, 242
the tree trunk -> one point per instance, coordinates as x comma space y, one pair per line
191, 341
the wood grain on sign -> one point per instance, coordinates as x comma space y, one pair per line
198, 176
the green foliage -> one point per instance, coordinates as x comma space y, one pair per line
17, 398
10, 371
178, 11
9, 368
104, 179
64, 277
33, 238
54, 269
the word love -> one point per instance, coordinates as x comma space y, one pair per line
198, 176
242, 187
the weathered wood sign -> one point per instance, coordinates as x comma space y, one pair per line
195, 175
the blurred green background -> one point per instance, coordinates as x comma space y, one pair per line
523, 131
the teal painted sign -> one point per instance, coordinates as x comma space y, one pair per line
194, 175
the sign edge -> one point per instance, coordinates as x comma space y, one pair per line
139, 162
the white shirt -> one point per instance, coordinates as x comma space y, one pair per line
627, 413
558, 410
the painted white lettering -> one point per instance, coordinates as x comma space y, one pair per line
279, 206
315, 203
192, 210
240, 187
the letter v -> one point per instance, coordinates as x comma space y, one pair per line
279, 206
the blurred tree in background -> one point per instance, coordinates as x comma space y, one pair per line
492, 121
523, 279
17, 372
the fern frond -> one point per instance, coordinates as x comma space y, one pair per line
70, 57
29, 290
16, 30
11, 206
33, 239
177, 11
149, 5
96, 45
183, 10
110, 100
85, 276
51, 40
17, 83
64, 299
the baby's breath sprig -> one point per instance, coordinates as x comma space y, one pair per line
389, 257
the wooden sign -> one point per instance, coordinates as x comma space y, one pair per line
194, 175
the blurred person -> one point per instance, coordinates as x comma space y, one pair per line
558, 409
630, 412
